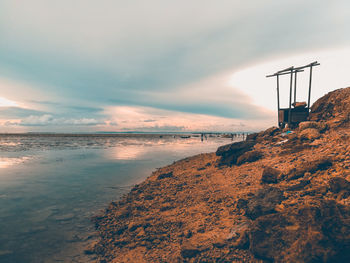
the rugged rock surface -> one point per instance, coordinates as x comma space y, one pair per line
317, 231
250, 156
332, 108
270, 175
263, 202
231, 152
309, 134
291, 205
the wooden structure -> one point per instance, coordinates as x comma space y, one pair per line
297, 111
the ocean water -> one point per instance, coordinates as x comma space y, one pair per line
51, 186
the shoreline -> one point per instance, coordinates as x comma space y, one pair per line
123, 134
272, 197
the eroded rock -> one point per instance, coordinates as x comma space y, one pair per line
250, 156
309, 167
309, 134
320, 126
165, 175
315, 232
263, 202
189, 250
230, 153
338, 184
270, 175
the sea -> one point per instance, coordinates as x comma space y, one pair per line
51, 185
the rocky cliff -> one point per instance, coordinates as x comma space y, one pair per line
281, 196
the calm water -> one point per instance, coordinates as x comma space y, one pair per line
50, 187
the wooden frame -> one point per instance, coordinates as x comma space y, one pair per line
293, 116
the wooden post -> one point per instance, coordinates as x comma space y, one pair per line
290, 98
295, 87
309, 98
278, 100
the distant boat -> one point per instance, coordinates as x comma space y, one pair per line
185, 137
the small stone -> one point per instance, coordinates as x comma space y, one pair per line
187, 233
338, 184
250, 156
309, 134
90, 249
133, 226
220, 243
189, 251
141, 233
311, 124
270, 175
230, 153
263, 202
165, 175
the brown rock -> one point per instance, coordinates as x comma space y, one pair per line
238, 237
309, 134
188, 233
270, 175
91, 248
266, 236
333, 106
320, 164
230, 153
317, 232
188, 250
320, 126
264, 202
133, 226
271, 131
338, 184
267, 134
250, 156
298, 186
252, 136
165, 175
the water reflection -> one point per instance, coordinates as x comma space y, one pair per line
141, 149
132, 152
8, 162
51, 186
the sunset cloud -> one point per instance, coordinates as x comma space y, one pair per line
74, 61
138, 119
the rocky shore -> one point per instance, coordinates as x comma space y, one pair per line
282, 195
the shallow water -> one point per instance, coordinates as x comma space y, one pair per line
51, 186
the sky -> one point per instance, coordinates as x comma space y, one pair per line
160, 65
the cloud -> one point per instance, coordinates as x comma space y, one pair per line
49, 120
17, 112
132, 118
74, 60
330, 75
7, 103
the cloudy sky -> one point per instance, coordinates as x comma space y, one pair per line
159, 65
